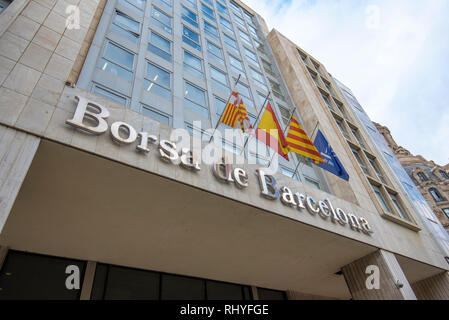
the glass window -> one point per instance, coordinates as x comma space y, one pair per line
231, 44
399, 207
342, 128
190, 3
226, 291
146, 111
157, 81
258, 77
253, 31
226, 24
167, 4
268, 68
160, 46
215, 52
195, 100
356, 134
248, 16
189, 16
118, 62
328, 86
251, 56
260, 47
120, 283
109, 95
193, 65
266, 294
219, 80
315, 79
126, 27
377, 170
27, 276
211, 31
446, 212
246, 94
360, 160
303, 57
209, 2
381, 198
245, 38
312, 183
342, 109
220, 105
444, 174
161, 20
422, 176
236, 65
191, 38
436, 195
222, 9
134, 4
326, 99
119, 55
208, 12
238, 20
182, 288
276, 90
234, 6
289, 173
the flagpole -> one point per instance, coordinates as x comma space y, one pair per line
285, 131
224, 109
255, 123
313, 133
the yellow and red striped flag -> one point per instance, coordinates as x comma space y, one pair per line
270, 132
299, 142
236, 112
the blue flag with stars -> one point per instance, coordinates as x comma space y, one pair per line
332, 163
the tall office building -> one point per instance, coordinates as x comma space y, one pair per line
100, 200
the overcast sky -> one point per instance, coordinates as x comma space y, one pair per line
393, 54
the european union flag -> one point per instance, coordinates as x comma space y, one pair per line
332, 163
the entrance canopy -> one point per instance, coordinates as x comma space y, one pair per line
81, 206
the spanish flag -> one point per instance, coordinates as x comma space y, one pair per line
270, 132
299, 142
236, 112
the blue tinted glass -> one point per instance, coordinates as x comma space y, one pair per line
189, 16
158, 75
162, 20
119, 55
126, 22
155, 115
196, 108
192, 60
214, 49
115, 69
195, 94
109, 95
152, 87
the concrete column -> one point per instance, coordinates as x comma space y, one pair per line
3, 254
393, 285
17, 150
434, 288
88, 282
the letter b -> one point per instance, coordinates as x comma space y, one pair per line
82, 112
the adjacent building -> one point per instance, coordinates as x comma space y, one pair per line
431, 179
99, 200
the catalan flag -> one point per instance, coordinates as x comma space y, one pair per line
236, 112
270, 132
299, 142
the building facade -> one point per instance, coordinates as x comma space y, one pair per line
102, 201
432, 180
